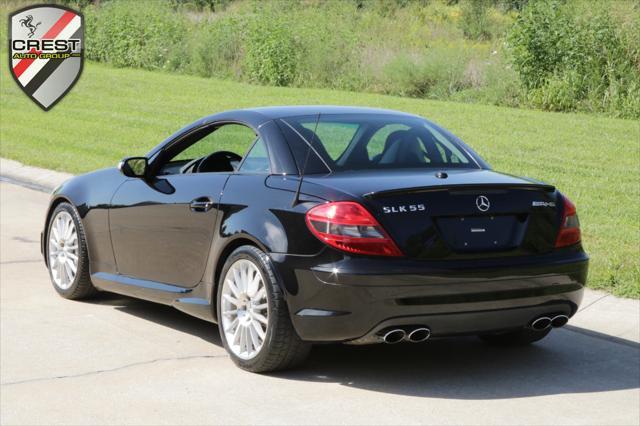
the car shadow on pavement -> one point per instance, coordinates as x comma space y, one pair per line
466, 368
569, 360
161, 314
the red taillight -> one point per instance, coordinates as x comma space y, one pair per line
349, 227
570, 226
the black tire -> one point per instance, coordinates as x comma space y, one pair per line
282, 348
520, 337
81, 286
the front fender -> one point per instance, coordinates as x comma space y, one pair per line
91, 195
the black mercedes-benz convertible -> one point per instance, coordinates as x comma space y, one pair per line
290, 226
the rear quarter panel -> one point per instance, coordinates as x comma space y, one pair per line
252, 211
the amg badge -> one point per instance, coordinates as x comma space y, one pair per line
404, 209
543, 204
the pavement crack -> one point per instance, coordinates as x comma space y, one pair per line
110, 370
594, 302
11, 262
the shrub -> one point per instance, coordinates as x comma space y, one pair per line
272, 51
570, 61
216, 48
438, 73
566, 55
330, 54
475, 19
136, 34
500, 84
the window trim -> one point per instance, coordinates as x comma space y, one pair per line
475, 160
244, 158
157, 160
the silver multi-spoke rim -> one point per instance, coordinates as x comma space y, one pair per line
63, 250
244, 309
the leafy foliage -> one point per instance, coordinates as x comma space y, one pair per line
272, 52
576, 62
559, 55
475, 19
141, 34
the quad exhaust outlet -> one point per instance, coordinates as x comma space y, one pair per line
414, 335
544, 322
419, 335
559, 321
395, 335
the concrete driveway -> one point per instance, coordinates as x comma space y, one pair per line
117, 360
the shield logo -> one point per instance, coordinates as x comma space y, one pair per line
46, 51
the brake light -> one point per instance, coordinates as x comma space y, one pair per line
569, 233
349, 227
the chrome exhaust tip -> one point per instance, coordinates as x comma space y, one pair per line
541, 323
419, 335
559, 321
396, 335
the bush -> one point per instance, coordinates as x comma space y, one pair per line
272, 51
475, 19
570, 61
141, 34
216, 48
438, 73
566, 55
330, 47
500, 85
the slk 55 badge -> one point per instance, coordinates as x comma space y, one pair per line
46, 51
404, 208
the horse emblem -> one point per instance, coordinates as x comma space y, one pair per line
28, 22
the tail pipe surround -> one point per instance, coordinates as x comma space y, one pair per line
411, 334
395, 335
559, 321
419, 335
544, 322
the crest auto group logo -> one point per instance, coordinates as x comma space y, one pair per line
482, 203
46, 49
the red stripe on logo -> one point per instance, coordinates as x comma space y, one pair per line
64, 20
59, 26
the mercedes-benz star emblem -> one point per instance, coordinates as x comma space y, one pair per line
482, 203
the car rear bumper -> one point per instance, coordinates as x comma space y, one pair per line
353, 299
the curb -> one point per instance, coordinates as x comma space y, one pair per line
33, 177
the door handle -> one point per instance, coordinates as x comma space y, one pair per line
202, 204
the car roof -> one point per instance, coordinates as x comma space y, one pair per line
275, 112
256, 117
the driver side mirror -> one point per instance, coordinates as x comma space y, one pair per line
133, 167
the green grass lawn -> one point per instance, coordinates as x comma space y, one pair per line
112, 113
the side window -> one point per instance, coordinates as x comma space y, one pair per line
257, 160
335, 136
448, 152
235, 138
194, 154
376, 144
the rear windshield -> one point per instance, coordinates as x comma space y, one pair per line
372, 141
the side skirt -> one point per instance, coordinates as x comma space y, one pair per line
183, 299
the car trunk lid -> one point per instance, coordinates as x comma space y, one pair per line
460, 214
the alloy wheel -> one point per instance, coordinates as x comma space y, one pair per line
63, 250
244, 309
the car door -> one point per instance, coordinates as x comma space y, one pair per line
162, 227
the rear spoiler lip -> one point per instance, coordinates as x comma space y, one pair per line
462, 187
